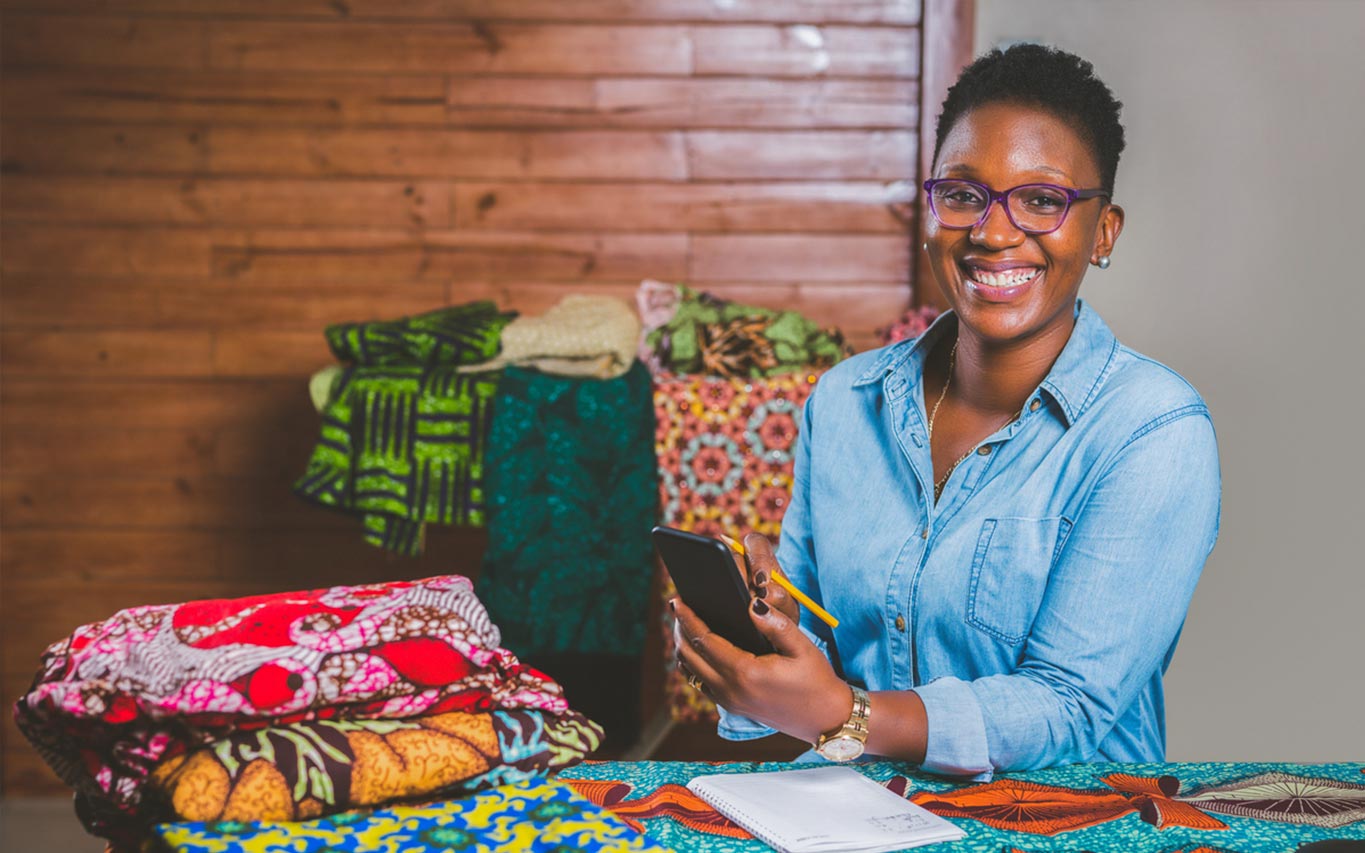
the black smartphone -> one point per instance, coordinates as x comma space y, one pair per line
709, 582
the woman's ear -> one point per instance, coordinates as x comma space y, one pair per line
1107, 232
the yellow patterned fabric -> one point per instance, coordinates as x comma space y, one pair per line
539, 816
313, 768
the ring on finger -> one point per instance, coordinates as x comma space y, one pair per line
695, 683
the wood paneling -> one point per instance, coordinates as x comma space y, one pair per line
194, 190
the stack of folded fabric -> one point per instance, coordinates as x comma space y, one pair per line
729, 386
293, 706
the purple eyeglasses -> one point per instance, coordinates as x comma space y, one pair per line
1032, 208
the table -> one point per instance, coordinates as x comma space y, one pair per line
1133, 808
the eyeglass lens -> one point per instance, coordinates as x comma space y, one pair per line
1034, 207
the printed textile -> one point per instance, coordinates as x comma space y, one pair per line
117, 697
724, 450
715, 337
540, 816
571, 475
402, 432
460, 334
402, 446
1135, 808
314, 768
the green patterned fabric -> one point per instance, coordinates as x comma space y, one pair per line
403, 433
717, 337
1134, 808
573, 495
461, 334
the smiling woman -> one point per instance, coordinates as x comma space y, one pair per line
1009, 513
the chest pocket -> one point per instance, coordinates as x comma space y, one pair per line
1009, 574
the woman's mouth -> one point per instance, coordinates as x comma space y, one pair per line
1000, 285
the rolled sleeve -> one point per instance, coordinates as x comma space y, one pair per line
957, 744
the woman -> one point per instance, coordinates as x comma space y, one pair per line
1009, 513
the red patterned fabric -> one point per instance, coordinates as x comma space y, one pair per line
725, 466
117, 697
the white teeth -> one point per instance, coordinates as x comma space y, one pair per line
1008, 278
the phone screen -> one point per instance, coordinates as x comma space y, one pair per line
704, 571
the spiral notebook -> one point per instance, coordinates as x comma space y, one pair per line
822, 810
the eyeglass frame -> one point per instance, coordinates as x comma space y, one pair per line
1002, 196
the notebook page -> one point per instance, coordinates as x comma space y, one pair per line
826, 808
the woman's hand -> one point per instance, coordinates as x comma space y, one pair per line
759, 565
794, 689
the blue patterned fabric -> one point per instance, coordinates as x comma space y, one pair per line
1125, 808
537, 816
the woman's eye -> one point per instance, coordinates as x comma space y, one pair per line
963, 198
1044, 201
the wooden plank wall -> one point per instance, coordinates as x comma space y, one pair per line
192, 189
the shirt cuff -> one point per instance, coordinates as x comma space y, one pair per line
956, 743
736, 727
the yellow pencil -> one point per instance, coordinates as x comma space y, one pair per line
820, 612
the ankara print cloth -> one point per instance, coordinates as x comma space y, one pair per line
697, 332
572, 483
536, 816
403, 446
724, 450
1134, 808
460, 334
315, 768
403, 429
118, 697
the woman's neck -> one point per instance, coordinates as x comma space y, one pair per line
996, 378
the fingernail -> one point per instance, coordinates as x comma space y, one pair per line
760, 607
673, 604
761, 591
760, 578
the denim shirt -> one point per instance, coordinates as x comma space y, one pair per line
1035, 608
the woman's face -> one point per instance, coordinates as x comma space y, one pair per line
1005, 284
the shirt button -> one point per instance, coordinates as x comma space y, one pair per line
1035, 405
983, 450
900, 623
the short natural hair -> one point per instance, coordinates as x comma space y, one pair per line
1036, 75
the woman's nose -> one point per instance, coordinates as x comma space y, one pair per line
997, 230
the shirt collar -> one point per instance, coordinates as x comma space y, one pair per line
1073, 381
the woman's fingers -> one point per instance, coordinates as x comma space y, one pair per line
781, 630
701, 651
761, 564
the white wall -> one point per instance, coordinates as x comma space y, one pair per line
1242, 266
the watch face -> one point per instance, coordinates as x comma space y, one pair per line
842, 749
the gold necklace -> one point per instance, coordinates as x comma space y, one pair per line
938, 486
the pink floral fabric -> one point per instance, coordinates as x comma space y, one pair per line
119, 696
725, 466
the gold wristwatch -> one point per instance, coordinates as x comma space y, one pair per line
848, 741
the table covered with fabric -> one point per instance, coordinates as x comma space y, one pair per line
1135, 808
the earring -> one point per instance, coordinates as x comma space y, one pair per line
1103, 262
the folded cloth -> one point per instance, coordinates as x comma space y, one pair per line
320, 767
582, 335
712, 336
533, 815
571, 475
403, 446
460, 334
724, 449
118, 697
911, 324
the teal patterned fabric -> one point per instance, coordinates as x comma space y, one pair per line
572, 497
403, 433
1133, 808
537, 816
